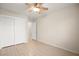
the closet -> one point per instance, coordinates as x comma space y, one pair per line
13, 30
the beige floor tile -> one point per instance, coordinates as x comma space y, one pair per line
34, 48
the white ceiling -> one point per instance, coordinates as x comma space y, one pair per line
16, 7
56, 6
21, 7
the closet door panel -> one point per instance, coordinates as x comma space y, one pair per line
6, 31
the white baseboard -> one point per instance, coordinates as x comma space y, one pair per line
55, 45
13, 44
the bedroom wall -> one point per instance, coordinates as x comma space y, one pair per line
60, 29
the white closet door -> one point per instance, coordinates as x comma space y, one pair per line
6, 31
20, 30
13, 31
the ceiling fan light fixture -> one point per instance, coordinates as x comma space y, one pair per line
36, 9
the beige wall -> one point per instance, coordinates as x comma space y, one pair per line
60, 29
33, 30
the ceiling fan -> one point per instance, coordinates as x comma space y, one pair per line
37, 7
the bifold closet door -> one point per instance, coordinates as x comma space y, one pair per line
6, 31
13, 31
